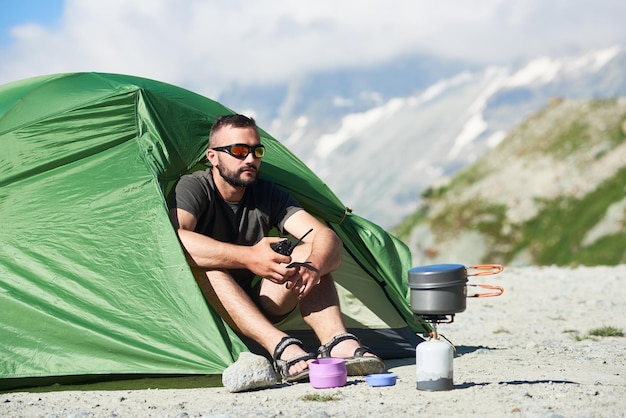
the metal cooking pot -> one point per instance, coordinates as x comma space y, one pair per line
441, 289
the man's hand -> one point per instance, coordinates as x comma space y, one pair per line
267, 263
305, 278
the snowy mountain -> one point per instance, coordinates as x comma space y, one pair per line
381, 136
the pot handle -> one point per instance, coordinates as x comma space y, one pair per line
489, 269
500, 290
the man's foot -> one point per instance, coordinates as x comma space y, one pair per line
296, 367
360, 361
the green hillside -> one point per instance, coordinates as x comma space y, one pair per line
552, 192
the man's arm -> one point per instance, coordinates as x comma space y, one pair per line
210, 254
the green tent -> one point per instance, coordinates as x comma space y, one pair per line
93, 281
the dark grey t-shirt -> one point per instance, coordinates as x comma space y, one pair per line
264, 206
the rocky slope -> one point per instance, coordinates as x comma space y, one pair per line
552, 192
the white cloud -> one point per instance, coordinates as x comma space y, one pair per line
205, 45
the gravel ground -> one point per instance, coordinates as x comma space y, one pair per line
527, 353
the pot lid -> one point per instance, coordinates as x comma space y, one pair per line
436, 268
437, 275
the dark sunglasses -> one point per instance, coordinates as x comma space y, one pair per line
241, 151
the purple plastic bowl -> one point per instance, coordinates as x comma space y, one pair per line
327, 373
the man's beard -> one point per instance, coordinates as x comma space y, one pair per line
234, 177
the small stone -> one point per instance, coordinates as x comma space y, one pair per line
250, 371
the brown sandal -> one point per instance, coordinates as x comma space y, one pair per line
359, 364
282, 366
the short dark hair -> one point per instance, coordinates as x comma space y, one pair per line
235, 121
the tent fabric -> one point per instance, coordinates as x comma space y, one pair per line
93, 280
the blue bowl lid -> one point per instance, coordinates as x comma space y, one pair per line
381, 379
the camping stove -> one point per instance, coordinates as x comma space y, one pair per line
433, 319
431, 322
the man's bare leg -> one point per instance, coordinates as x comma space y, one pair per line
237, 309
321, 311
320, 308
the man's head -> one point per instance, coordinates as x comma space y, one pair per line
235, 149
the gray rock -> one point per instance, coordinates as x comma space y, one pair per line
250, 371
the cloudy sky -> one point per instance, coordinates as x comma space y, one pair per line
204, 45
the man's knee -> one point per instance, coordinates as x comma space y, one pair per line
275, 300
